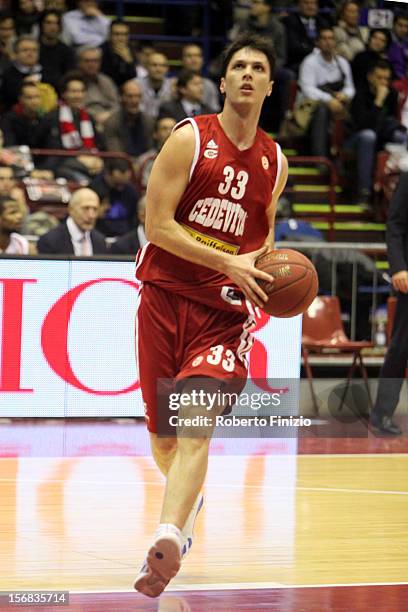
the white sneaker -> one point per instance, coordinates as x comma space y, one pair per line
188, 529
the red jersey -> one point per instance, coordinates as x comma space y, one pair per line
224, 207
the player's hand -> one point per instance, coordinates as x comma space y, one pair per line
400, 281
241, 269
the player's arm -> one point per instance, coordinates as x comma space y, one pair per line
168, 181
271, 210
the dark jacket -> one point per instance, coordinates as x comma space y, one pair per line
133, 137
57, 59
128, 244
18, 129
175, 109
115, 66
12, 81
299, 44
58, 242
365, 115
397, 227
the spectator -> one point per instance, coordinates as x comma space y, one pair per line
377, 45
101, 96
71, 127
156, 86
8, 187
401, 86
398, 49
130, 243
76, 235
144, 163
325, 79
56, 57
301, 32
11, 220
192, 59
114, 187
143, 54
374, 121
117, 57
7, 38
86, 25
27, 17
128, 129
20, 124
350, 37
262, 21
26, 63
189, 101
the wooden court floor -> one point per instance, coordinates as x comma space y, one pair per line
276, 531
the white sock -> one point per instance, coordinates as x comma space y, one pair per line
165, 528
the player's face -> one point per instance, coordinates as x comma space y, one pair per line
247, 79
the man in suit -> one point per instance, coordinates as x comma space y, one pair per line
302, 28
76, 235
395, 362
190, 92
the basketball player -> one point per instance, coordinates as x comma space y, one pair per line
211, 202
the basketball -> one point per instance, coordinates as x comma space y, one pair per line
295, 285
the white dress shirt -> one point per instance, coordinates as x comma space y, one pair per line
81, 241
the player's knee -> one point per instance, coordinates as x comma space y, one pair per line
164, 446
193, 444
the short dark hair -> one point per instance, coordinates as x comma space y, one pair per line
8, 167
24, 86
71, 75
184, 77
115, 22
324, 28
399, 17
382, 64
5, 15
4, 200
380, 31
253, 41
46, 14
116, 164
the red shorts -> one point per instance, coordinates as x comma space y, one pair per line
177, 338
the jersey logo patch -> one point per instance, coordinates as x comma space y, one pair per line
211, 150
265, 162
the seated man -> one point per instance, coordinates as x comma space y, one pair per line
76, 235
86, 25
192, 59
70, 127
128, 129
189, 101
19, 124
130, 243
156, 86
101, 93
26, 63
144, 163
117, 57
114, 188
373, 121
12, 215
325, 81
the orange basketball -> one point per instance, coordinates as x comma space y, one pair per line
295, 285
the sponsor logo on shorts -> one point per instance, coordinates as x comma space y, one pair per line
211, 242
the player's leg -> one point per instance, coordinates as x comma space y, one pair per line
187, 472
163, 451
